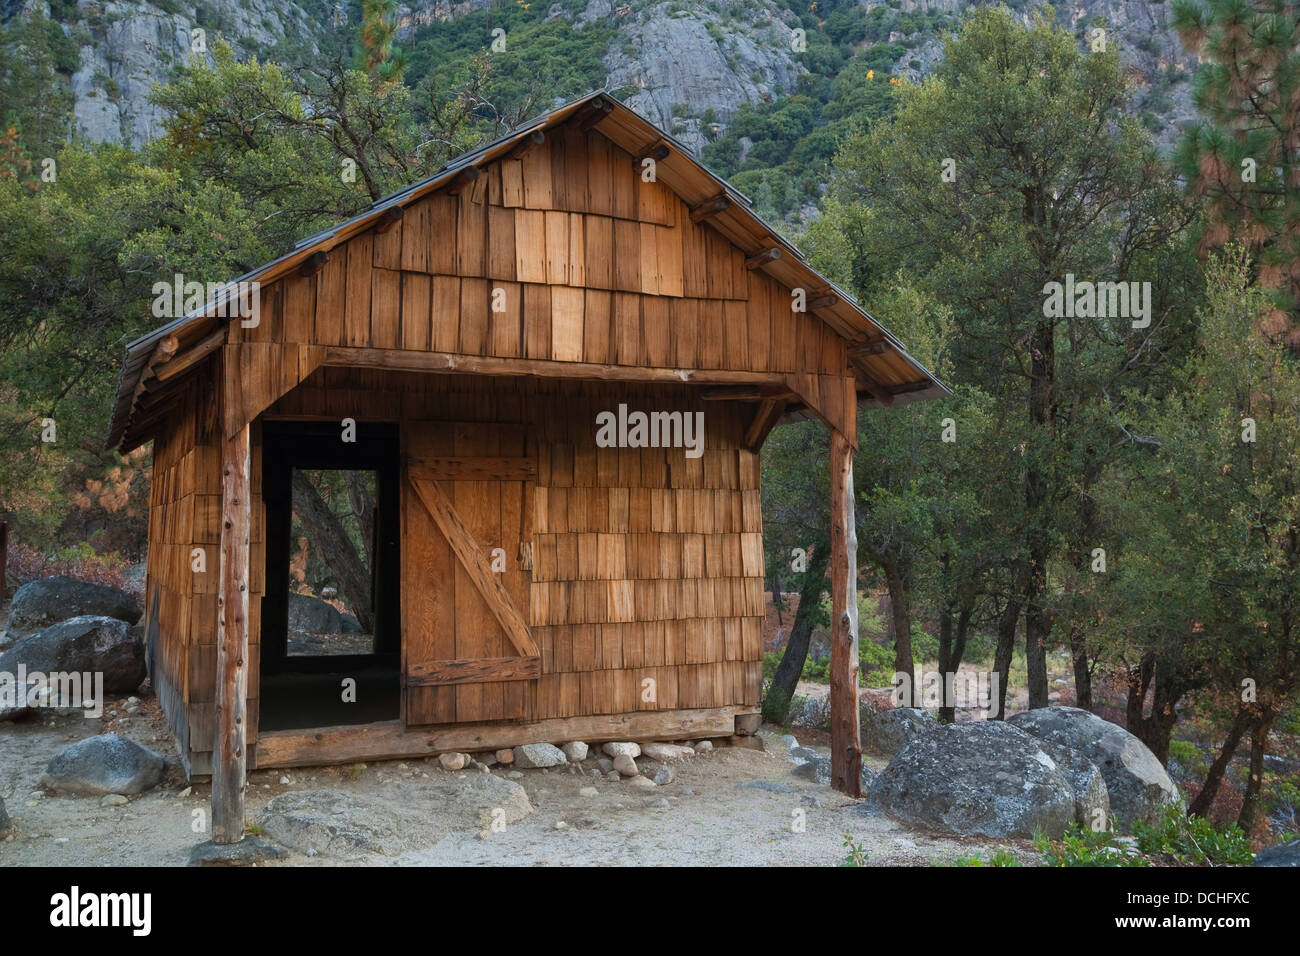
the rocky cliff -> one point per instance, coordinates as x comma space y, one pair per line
687, 66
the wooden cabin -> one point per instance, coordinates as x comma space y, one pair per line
529, 581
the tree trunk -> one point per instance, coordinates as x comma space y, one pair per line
336, 550
1205, 799
846, 737
1042, 413
1088, 532
1082, 672
363, 508
1155, 731
1164, 711
956, 657
777, 599
1002, 656
776, 703
1139, 682
1250, 801
947, 710
902, 620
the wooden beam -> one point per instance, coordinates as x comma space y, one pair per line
163, 352
476, 566
874, 346
315, 262
765, 419
658, 151
528, 143
390, 217
710, 208
908, 387
393, 739
875, 389
167, 346
413, 361
478, 671
593, 113
463, 181
192, 356
163, 397
763, 257
744, 393
747, 725
823, 302
229, 750
846, 748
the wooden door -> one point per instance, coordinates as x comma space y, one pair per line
467, 651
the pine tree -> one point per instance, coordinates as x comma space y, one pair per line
1245, 158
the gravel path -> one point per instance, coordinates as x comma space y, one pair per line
730, 807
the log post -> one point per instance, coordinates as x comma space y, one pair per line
230, 750
846, 748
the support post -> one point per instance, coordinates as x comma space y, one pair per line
230, 748
846, 747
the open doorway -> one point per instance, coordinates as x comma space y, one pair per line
330, 637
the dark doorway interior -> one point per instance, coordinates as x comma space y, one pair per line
330, 636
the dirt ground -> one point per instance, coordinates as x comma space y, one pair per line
703, 817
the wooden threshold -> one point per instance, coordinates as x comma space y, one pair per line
392, 740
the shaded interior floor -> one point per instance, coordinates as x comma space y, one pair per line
298, 701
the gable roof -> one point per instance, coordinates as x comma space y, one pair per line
885, 373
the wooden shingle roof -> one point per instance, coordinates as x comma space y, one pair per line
884, 372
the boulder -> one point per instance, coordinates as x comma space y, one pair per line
884, 732
626, 766
453, 761
809, 712
666, 753
38, 604
1091, 798
814, 767
349, 624
817, 768
1284, 854
104, 764
575, 751
1138, 786
985, 778
313, 616
95, 644
617, 749
534, 756
249, 851
5, 823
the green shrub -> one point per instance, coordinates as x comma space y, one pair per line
1080, 846
856, 854
1193, 839
1189, 758
998, 858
